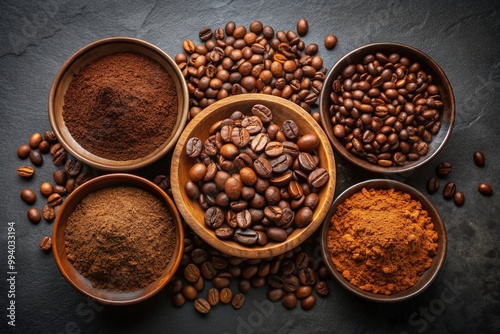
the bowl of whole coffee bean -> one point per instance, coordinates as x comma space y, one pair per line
253, 175
387, 108
118, 104
118, 239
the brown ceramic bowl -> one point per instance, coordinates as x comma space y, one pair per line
429, 66
79, 282
199, 127
427, 277
83, 57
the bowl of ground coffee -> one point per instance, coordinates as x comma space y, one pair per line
384, 241
118, 239
118, 104
387, 108
253, 175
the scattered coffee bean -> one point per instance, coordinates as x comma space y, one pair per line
302, 27
479, 159
23, 151
72, 167
303, 291
28, 196
178, 299
432, 185
34, 215
54, 200
213, 296
189, 292
485, 189
459, 198
36, 158
50, 136
238, 301
308, 302
443, 169
25, 171
45, 243
322, 288
35, 140
226, 295
449, 190
289, 300
330, 41
60, 177
48, 213
44, 147
202, 305
46, 189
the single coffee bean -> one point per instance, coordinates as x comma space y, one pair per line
178, 299
25, 171
308, 302
23, 151
46, 189
274, 149
459, 198
61, 190
54, 200
214, 217
197, 172
191, 273
44, 147
303, 291
322, 288
59, 157
225, 295
302, 27
275, 294
291, 283
35, 140
45, 243
48, 213
443, 169
318, 177
70, 185
276, 234
213, 296
36, 158
162, 181
198, 256
263, 168
289, 300
224, 232
485, 189
246, 237
290, 129
34, 215
175, 285
303, 217
263, 112
308, 142
307, 276
202, 305
50, 136
330, 41
207, 270
307, 161
432, 185
189, 292
238, 301
72, 167
449, 190
28, 195
479, 159
219, 262
60, 177
302, 260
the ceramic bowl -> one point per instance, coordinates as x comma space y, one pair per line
85, 56
199, 126
429, 66
77, 280
427, 277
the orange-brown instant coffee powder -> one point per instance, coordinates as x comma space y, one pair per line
382, 240
121, 106
120, 238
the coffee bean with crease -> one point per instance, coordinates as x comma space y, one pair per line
246, 237
214, 217
194, 147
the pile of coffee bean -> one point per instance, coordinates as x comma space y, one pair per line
66, 180
205, 277
450, 191
257, 181
235, 60
385, 109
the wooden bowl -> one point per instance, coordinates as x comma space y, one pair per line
427, 64
82, 284
83, 57
427, 277
199, 127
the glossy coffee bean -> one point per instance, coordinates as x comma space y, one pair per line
432, 185
485, 189
45, 244
289, 300
189, 292
28, 195
72, 167
302, 27
178, 299
479, 158
322, 288
443, 169
225, 295
202, 305
459, 198
308, 302
191, 273
213, 296
34, 215
48, 212
60, 177
330, 41
303, 291
23, 151
449, 190
35, 140
25, 171
36, 157
46, 189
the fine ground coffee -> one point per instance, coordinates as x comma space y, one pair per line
121, 107
120, 238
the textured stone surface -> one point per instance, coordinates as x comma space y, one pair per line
36, 37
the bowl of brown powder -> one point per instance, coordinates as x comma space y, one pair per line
118, 239
384, 241
118, 104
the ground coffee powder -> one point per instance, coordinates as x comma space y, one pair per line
120, 238
121, 107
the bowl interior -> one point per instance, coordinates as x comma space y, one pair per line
427, 64
82, 284
427, 277
199, 126
85, 56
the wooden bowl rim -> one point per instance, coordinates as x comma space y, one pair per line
228, 246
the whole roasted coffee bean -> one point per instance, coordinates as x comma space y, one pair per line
35, 140
459, 198
36, 158
199, 255
449, 190
207, 270
263, 168
274, 149
318, 177
443, 169
289, 300
72, 167
302, 260
189, 292
214, 217
276, 234
34, 215
46, 189
175, 285
178, 299
45, 243
263, 112
225, 295
219, 262
238, 301
213, 296
322, 288
197, 172
275, 294
54, 200
290, 129
308, 142
162, 181
291, 283
25, 171
244, 219
59, 157
275, 281
23, 151
479, 159
202, 305
28, 195
224, 232
307, 276
50, 136
70, 185
432, 185
303, 217
205, 34
48, 212
191, 273
485, 189
308, 302
60, 177
44, 147
330, 41
61, 190
303, 291
307, 161
246, 237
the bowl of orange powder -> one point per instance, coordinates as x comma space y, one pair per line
384, 241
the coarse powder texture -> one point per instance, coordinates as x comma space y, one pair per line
382, 240
120, 238
121, 107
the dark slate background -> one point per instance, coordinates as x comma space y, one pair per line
462, 36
